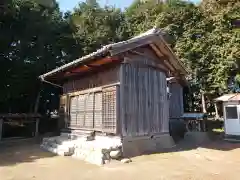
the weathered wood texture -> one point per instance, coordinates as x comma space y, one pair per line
1, 125
97, 79
64, 110
96, 111
146, 55
144, 108
87, 106
109, 111
139, 107
176, 108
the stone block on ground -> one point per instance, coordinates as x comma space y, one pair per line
126, 160
115, 154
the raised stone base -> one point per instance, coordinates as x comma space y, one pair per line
95, 151
100, 150
134, 146
60, 145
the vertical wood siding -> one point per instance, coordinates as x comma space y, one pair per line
150, 58
176, 100
144, 106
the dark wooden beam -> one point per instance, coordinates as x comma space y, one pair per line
90, 66
163, 57
159, 53
162, 52
92, 71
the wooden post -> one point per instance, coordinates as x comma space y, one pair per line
216, 111
203, 104
36, 105
37, 126
204, 126
1, 127
199, 125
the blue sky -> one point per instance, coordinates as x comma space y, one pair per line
70, 4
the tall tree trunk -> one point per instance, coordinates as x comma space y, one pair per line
37, 102
216, 111
203, 103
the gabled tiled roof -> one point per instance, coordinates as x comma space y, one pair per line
151, 35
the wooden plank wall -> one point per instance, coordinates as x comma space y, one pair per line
96, 79
176, 108
144, 108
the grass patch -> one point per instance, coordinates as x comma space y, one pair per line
218, 130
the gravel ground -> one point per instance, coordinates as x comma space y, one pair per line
216, 160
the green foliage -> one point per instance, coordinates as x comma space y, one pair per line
46, 3
97, 26
36, 37
202, 36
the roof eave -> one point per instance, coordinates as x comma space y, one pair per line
84, 59
181, 68
117, 48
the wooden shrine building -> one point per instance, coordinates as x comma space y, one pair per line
121, 90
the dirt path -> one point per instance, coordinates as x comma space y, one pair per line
30, 162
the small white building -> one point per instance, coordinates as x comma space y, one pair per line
231, 113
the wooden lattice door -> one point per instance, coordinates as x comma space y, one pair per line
109, 109
96, 110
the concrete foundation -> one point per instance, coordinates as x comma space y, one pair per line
134, 146
231, 138
197, 137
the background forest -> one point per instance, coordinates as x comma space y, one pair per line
35, 37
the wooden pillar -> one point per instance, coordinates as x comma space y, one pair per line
64, 111
37, 126
199, 125
203, 103
1, 127
216, 111
204, 125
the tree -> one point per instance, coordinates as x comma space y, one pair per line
97, 26
34, 39
203, 38
46, 3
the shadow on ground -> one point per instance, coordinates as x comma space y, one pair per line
21, 152
194, 140
29, 151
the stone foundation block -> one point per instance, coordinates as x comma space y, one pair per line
134, 146
95, 151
